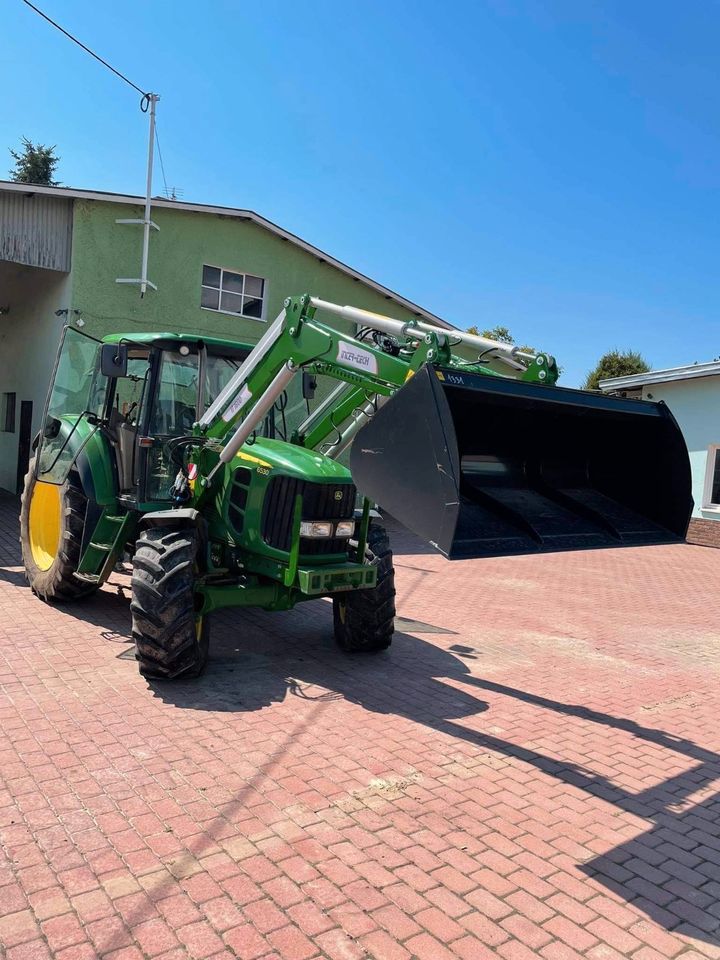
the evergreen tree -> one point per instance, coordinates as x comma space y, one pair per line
35, 163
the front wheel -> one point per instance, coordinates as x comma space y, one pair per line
365, 619
52, 522
171, 639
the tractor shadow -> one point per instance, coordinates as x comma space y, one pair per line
671, 872
15, 578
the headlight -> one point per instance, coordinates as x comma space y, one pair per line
315, 529
345, 528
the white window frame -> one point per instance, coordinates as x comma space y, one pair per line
713, 452
230, 313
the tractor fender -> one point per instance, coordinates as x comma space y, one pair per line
178, 519
95, 467
372, 513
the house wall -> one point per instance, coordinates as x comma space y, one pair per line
104, 251
695, 404
29, 336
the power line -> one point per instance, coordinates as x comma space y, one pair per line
86, 49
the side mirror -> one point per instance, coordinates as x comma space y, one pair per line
114, 359
51, 428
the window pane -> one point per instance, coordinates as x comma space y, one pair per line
173, 416
210, 298
218, 373
231, 302
254, 286
129, 390
252, 307
76, 389
211, 277
715, 495
233, 282
174, 412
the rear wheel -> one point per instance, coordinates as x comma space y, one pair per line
52, 520
171, 640
365, 619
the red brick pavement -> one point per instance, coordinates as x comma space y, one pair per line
534, 774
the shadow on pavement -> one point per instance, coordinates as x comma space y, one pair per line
671, 872
14, 577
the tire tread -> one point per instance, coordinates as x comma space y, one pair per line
369, 615
163, 605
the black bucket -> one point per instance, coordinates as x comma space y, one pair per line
487, 466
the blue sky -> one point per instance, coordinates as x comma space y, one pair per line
552, 166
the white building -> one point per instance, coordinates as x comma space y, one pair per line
693, 395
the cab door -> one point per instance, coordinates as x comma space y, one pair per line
74, 406
125, 418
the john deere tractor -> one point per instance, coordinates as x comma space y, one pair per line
177, 452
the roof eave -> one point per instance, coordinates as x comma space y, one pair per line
690, 372
237, 213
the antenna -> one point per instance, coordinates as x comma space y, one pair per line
151, 99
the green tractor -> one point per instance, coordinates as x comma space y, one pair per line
175, 450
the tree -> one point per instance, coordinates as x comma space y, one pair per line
497, 333
616, 363
35, 163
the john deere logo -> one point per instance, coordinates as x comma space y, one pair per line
338, 494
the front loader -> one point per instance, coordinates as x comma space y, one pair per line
175, 450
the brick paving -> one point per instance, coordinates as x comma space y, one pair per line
532, 771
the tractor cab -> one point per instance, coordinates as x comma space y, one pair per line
135, 392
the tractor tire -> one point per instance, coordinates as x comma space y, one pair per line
170, 639
52, 520
364, 620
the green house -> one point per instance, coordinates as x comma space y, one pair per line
72, 256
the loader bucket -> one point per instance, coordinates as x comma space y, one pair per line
485, 466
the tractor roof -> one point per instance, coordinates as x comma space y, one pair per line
147, 338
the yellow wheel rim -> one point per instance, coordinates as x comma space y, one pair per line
44, 524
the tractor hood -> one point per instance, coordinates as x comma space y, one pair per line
291, 460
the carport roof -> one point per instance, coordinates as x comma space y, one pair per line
689, 372
30, 189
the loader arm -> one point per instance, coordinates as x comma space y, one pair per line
297, 341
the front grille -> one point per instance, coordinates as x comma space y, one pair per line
321, 501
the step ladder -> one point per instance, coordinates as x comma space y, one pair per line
108, 539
